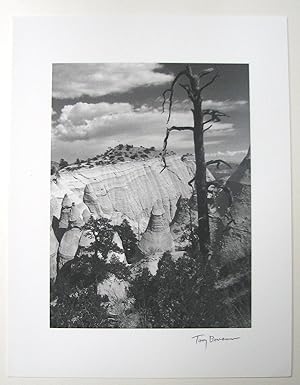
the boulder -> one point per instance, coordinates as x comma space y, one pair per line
69, 245
116, 291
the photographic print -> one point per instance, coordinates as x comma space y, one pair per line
150, 223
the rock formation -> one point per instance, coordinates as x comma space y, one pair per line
127, 190
236, 219
71, 222
116, 291
120, 256
53, 248
157, 237
68, 245
232, 240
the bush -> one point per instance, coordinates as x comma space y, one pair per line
63, 163
74, 294
128, 238
181, 295
81, 309
103, 232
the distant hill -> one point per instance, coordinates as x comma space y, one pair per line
117, 154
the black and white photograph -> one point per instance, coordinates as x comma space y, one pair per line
150, 206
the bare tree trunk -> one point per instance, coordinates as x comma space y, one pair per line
200, 181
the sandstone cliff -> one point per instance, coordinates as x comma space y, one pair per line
126, 190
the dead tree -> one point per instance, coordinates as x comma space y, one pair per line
203, 121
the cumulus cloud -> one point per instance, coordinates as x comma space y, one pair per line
74, 80
84, 121
89, 128
227, 153
224, 105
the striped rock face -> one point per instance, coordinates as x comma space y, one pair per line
157, 238
128, 190
69, 245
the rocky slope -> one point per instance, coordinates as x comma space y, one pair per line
125, 190
232, 242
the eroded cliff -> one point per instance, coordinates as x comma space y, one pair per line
126, 190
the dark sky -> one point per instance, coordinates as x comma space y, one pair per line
96, 106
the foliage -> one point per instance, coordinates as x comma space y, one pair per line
76, 302
181, 295
128, 238
143, 289
63, 163
103, 232
81, 309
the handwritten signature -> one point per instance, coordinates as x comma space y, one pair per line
205, 340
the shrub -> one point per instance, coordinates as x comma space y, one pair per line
129, 240
63, 163
76, 303
81, 309
103, 232
182, 294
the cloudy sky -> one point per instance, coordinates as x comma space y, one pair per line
95, 106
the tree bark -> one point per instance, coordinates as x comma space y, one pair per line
200, 181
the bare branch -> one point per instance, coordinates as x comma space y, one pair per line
217, 162
171, 91
206, 72
206, 129
164, 149
193, 78
209, 83
188, 90
215, 115
190, 183
164, 101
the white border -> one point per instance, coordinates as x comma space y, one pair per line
36, 350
